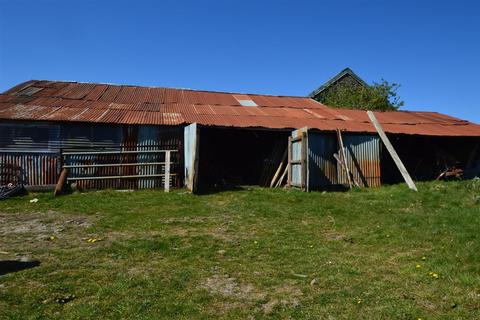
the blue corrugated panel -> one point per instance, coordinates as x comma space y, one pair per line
322, 164
363, 159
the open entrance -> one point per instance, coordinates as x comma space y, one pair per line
233, 157
427, 157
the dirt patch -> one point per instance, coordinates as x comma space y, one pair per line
22, 232
335, 236
286, 295
38, 224
215, 226
227, 286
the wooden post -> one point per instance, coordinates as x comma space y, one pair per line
167, 171
344, 157
392, 151
61, 181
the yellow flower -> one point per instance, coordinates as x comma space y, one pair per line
418, 266
434, 275
51, 238
255, 241
424, 258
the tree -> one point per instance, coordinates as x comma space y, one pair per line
381, 96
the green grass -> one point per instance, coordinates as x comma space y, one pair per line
253, 253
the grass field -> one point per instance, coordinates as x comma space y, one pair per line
385, 253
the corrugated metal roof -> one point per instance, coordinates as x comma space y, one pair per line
105, 103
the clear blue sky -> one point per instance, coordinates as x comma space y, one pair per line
277, 47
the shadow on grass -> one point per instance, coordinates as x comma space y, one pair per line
204, 190
9, 266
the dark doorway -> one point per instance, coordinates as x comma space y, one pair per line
233, 157
426, 157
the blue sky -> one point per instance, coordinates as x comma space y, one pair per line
432, 48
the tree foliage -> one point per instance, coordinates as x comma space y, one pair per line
381, 96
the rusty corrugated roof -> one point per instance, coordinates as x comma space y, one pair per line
106, 103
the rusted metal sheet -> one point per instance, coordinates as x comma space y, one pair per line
363, 159
34, 168
102, 103
51, 138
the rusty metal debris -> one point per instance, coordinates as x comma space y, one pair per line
450, 173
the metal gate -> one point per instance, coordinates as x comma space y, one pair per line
115, 169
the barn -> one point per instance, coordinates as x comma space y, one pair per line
129, 137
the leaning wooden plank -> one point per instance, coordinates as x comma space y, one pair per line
279, 183
61, 181
391, 150
342, 165
277, 173
344, 157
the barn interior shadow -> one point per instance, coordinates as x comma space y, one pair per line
9, 266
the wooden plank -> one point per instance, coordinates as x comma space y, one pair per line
196, 161
391, 150
191, 154
277, 173
167, 171
279, 183
342, 165
344, 157
61, 181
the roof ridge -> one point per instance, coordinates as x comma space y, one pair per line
173, 88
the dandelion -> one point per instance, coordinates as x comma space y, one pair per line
434, 275
418, 266
51, 238
255, 241
424, 258
359, 301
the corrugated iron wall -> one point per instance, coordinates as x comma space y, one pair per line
322, 164
363, 158
35, 150
29, 167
